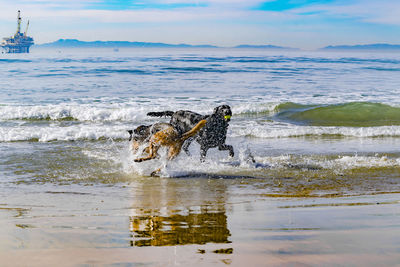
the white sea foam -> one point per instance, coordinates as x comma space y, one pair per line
348, 162
339, 163
104, 130
185, 166
56, 133
282, 130
134, 110
75, 112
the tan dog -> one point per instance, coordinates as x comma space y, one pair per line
170, 138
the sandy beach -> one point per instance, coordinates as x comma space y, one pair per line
195, 222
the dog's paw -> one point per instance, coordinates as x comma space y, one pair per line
154, 173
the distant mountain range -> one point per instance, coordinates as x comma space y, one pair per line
265, 47
74, 43
363, 47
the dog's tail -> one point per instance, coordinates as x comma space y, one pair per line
194, 130
161, 114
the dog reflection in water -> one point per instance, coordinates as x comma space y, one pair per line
168, 137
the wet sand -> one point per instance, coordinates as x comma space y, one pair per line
194, 221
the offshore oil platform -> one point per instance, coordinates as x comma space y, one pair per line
20, 42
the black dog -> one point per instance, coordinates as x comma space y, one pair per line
213, 134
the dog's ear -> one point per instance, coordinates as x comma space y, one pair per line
217, 109
130, 134
225, 109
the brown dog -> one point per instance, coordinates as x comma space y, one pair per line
170, 138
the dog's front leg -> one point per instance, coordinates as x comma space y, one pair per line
203, 153
155, 172
227, 147
186, 146
144, 159
152, 154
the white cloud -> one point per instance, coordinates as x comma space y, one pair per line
58, 11
370, 11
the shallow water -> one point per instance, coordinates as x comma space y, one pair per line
315, 174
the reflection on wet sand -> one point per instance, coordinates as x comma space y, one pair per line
193, 228
169, 213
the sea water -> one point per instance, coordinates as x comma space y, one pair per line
328, 110
304, 124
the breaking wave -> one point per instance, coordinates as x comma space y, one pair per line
353, 114
108, 119
73, 112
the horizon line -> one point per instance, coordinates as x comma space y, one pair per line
387, 46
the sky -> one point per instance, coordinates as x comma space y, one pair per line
305, 24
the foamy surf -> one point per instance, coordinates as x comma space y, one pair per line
284, 130
94, 132
72, 123
248, 164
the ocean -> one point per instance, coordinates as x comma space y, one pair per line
318, 125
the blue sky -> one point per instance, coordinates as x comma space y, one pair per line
306, 24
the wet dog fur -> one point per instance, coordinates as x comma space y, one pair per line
171, 138
213, 134
142, 134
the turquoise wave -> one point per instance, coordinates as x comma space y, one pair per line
353, 114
